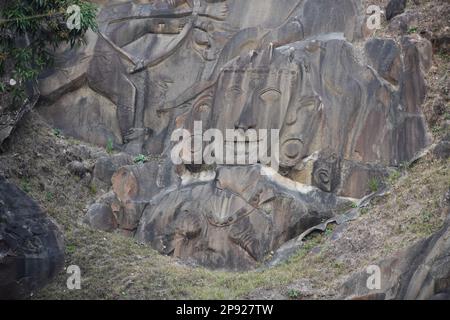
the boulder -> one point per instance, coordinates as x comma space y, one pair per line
106, 166
78, 168
402, 23
442, 148
100, 215
395, 7
31, 245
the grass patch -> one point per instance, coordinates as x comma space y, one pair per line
25, 185
92, 189
49, 196
393, 177
140, 159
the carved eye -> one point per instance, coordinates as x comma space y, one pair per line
233, 93
291, 152
270, 95
292, 148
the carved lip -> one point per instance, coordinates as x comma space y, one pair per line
243, 136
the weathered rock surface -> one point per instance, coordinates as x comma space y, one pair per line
442, 149
234, 221
395, 7
347, 108
11, 114
31, 245
402, 23
106, 166
231, 218
420, 272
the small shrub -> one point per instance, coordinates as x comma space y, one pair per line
25, 185
70, 248
374, 184
93, 189
293, 294
329, 230
447, 116
426, 216
109, 146
412, 30
140, 159
444, 56
49, 196
393, 177
56, 132
41, 23
364, 211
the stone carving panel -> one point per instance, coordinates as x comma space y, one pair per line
347, 109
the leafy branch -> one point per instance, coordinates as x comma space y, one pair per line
30, 31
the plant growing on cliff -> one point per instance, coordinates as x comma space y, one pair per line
374, 184
140, 159
393, 177
412, 30
30, 30
110, 146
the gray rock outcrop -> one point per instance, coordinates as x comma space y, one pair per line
31, 245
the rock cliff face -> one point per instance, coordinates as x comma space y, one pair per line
348, 107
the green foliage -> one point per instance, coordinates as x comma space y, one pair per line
412, 30
56, 132
393, 177
109, 146
426, 216
293, 294
444, 55
49, 196
447, 116
404, 166
29, 31
436, 130
374, 184
71, 248
93, 189
140, 159
25, 185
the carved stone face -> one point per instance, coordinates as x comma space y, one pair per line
254, 93
269, 90
220, 230
299, 129
326, 173
226, 223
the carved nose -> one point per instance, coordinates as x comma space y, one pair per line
244, 125
247, 120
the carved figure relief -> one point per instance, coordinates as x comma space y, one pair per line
247, 64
